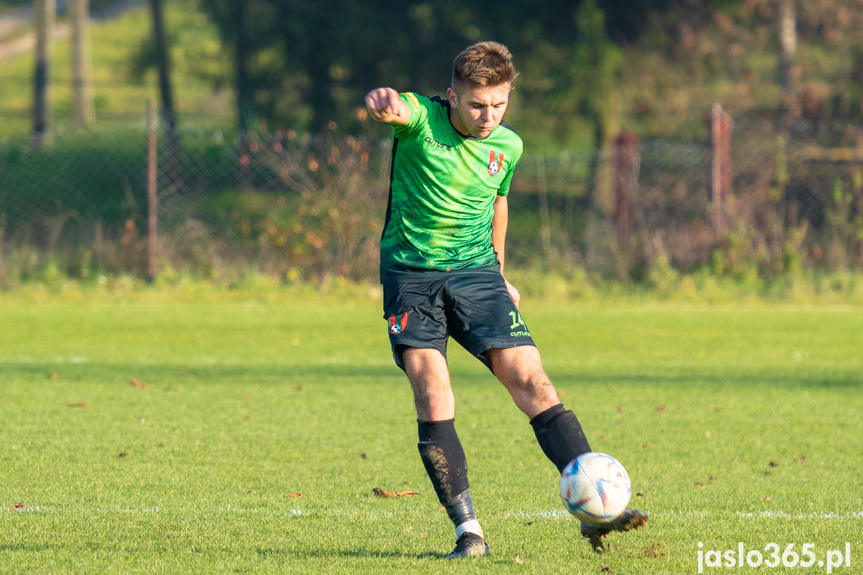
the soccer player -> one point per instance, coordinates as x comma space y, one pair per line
442, 270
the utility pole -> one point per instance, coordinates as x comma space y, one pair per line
163, 63
44, 15
81, 72
173, 165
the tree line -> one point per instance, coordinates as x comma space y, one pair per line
308, 64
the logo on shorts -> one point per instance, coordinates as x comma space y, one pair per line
495, 162
398, 323
518, 326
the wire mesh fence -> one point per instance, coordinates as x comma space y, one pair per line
305, 208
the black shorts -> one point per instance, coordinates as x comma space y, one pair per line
475, 309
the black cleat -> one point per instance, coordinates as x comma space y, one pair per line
629, 519
469, 545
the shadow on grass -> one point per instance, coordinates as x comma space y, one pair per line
348, 554
279, 555
260, 551
168, 375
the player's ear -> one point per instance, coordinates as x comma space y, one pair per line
452, 97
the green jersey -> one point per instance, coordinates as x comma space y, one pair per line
442, 191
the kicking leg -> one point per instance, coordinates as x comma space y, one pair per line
557, 430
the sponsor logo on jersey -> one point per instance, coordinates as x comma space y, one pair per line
435, 144
495, 162
398, 323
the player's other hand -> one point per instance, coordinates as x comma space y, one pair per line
384, 105
513, 293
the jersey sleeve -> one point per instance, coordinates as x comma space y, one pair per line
419, 112
507, 179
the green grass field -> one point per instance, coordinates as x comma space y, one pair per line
736, 423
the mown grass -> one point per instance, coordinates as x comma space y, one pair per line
251, 401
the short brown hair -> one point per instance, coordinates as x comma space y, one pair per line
483, 64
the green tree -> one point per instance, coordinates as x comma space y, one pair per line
571, 69
307, 64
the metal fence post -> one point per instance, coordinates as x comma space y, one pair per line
626, 168
152, 201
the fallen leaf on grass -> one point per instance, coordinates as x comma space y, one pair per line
19, 506
641, 495
698, 484
123, 454
606, 569
52, 376
767, 498
773, 463
646, 446
297, 494
619, 409
76, 404
800, 459
518, 559
660, 407
138, 384
384, 493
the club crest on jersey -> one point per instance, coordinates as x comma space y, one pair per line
495, 162
398, 323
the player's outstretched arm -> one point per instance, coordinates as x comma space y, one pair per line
385, 106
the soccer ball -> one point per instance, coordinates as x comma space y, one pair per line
595, 487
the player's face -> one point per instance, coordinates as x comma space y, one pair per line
478, 111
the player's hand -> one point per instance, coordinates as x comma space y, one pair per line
384, 105
513, 293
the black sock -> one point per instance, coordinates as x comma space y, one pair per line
446, 465
559, 435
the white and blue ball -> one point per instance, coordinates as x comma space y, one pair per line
595, 487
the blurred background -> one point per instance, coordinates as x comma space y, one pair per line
212, 139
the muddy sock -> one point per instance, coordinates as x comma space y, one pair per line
446, 465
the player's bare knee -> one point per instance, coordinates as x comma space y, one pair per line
533, 389
538, 381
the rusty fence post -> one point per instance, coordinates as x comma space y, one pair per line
720, 135
152, 199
